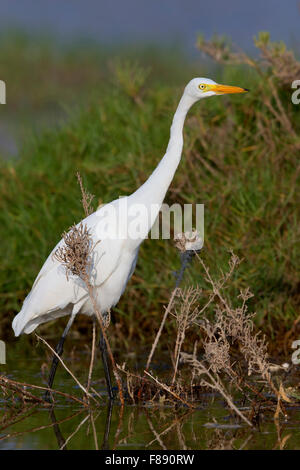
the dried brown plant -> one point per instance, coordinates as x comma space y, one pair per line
275, 60
232, 327
75, 253
235, 326
219, 49
281, 61
87, 198
277, 66
186, 312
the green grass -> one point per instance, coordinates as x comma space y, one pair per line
238, 160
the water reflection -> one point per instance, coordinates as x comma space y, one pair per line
69, 425
59, 437
147, 427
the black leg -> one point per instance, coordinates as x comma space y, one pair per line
105, 443
59, 350
60, 439
103, 349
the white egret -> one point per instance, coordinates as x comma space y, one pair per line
53, 295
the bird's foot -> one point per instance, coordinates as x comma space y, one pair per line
47, 397
113, 393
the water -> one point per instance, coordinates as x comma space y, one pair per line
139, 427
158, 22
149, 426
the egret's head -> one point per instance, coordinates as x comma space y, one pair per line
204, 87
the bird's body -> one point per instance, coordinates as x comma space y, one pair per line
54, 294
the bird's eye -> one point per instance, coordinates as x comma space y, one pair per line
202, 86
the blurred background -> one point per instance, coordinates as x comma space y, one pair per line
62, 45
157, 22
92, 86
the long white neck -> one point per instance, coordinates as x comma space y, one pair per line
153, 191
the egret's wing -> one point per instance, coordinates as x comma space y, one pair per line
54, 295
105, 252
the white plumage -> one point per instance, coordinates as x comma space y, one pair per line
54, 295
114, 259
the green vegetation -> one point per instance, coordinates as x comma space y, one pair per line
240, 160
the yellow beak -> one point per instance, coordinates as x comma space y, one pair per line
224, 89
